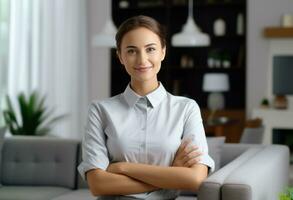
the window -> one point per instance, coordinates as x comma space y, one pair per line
4, 41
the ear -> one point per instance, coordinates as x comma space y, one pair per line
163, 53
119, 56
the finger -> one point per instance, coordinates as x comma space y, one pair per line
189, 148
191, 155
182, 146
192, 162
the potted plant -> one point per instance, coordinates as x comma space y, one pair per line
226, 60
287, 195
265, 103
34, 117
214, 59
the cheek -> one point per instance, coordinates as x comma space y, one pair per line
157, 59
128, 60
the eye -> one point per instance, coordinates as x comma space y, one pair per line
131, 51
150, 49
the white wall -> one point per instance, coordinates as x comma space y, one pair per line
99, 58
261, 14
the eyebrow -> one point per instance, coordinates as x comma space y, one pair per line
151, 44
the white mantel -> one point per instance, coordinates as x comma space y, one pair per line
273, 119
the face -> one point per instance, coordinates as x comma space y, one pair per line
141, 53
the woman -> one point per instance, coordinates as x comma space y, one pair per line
133, 145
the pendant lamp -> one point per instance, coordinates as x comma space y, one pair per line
191, 35
106, 38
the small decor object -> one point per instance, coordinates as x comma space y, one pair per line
219, 27
214, 59
217, 61
280, 102
287, 20
123, 4
190, 63
240, 24
265, 103
35, 117
184, 61
211, 59
226, 60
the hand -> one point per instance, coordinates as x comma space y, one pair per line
116, 168
187, 155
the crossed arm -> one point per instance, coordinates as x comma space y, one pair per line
124, 178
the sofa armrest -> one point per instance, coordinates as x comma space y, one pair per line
210, 189
263, 176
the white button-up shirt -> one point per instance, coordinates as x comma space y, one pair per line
148, 129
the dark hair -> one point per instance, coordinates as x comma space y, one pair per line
137, 22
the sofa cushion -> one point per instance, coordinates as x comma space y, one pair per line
30, 193
81, 194
39, 161
215, 146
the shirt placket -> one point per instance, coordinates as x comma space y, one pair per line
144, 130
142, 105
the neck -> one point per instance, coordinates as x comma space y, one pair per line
144, 88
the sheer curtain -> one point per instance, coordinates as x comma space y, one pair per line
48, 53
4, 33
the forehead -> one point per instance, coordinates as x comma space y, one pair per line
140, 37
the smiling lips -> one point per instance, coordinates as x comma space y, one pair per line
142, 69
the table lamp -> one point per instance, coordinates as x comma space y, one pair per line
215, 83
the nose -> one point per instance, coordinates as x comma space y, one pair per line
142, 58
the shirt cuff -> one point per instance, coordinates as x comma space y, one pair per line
84, 167
208, 161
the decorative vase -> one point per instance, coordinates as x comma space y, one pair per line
240, 24
219, 27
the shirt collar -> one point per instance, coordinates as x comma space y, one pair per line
155, 97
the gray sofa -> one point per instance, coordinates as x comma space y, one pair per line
42, 169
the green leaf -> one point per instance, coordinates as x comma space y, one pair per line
35, 117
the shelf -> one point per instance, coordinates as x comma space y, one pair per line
188, 81
278, 32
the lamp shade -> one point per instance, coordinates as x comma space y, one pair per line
106, 38
216, 82
191, 34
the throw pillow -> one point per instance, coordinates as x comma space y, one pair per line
215, 146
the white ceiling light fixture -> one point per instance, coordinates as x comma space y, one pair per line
106, 38
191, 35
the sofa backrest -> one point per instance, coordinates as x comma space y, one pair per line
230, 151
39, 161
